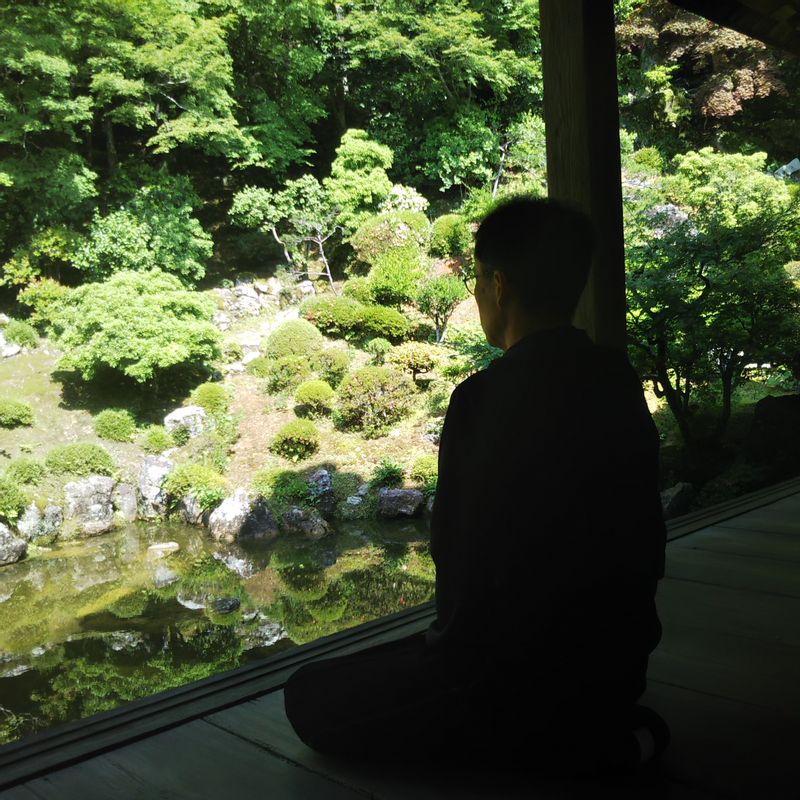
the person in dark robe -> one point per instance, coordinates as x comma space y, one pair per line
548, 537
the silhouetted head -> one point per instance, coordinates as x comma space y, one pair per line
532, 259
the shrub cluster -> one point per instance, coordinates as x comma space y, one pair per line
21, 333
26, 471
15, 413
288, 372
282, 488
333, 363
395, 277
80, 459
297, 337
451, 237
313, 399
43, 297
425, 471
372, 399
296, 440
387, 323
358, 287
199, 480
383, 233
387, 473
413, 357
344, 317
115, 424
213, 397
259, 367
378, 348
12, 500
157, 439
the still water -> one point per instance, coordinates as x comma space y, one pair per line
92, 624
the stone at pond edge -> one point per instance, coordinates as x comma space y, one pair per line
676, 500
90, 505
399, 502
241, 515
225, 605
12, 549
192, 512
306, 522
40, 528
153, 502
193, 418
163, 576
125, 502
162, 549
321, 486
353, 500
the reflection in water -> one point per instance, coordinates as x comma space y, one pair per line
95, 623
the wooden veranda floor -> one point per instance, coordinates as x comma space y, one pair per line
726, 676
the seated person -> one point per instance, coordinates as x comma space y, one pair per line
547, 535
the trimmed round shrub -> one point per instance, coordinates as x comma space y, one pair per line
233, 351
287, 373
297, 337
372, 399
383, 233
334, 316
15, 413
157, 439
333, 363
358, 287
282, 488
387, 473
396, 276
213, 397
12, 500
388, 323
204, 483
296, 440
378, 348
80, 459
413, 357
26, 471
116, 425
21, 333
259, 367
451, 236
313, 399
425, 471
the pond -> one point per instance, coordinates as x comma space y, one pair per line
94, 623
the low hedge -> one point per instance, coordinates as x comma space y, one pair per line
80, 459
26, 471
314, 399
296, 440
15, 413
116, 425
346, 318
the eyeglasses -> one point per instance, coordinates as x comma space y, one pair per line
469, 279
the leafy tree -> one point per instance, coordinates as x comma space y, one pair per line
438, 298
708, 291
139, 324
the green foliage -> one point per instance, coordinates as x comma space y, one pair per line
425, 470
333, 363
372, 399
396, 275
21, 333
15, 413
388, 473
438, 298
381, 322
232, 351
157, 439
381, 233
313, 399
451, 236
378, 348
472, 352
213, 397
43, 297
413, 357
297, 337
260, 367
288, 372
199, 480
358, 288
296, 440
282, 488
140, 324
114, 424
47, 253
438, 397
25, 471
82, 459
12, 500
334, 316
181, 435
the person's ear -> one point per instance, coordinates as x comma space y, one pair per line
500, 288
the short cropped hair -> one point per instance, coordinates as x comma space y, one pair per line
543, 246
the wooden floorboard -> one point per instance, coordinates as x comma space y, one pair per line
745, 542
195, 761
764, 520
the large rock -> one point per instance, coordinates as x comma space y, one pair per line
192, 511
125, 503
193, 418
90, 504
320, 485
774, 436
400, 502
12, 548
153, 499
240, 516
677, 499
306, 522
41, 528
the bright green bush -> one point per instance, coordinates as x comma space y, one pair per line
181, 435
333, 363
438, 298
21, 333
313, 399
297, 337
259, 367
386, 323
388, 473
282, 488
425, 471
288, 372
296, 440
358, 287
15, 413
157, 439
116, 425
378, 348
334, 316
413, 357
43, 298
213, 397
232, 351
26, 471
205, 483
438, 397
372, 399
80, 459
396, 276
451, 236
383, 233
12, 500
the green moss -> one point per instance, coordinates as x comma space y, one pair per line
80, 459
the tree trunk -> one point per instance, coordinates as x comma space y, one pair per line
321, 246
111, 147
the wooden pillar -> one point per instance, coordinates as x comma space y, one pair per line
583, 166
